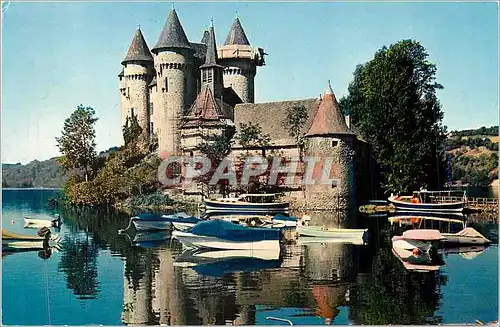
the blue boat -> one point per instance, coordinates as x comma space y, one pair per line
223, 235
429, 201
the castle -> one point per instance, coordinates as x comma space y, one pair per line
185, 91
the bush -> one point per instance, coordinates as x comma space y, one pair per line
151, 200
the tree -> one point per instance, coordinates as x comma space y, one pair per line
392, 100
131, 130
251, 135
296, 118
216, 148
77, 144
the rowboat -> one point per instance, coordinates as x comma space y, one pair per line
30, 222
223, 235
321, 231
247, 203
151, 239
150, 221
435, 201
312, 240
467, 236
409, 217
415, 255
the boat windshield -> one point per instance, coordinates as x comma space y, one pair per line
259, 198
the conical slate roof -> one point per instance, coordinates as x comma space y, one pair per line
138, 50
328, 118
236, 34
211, 55
173, 35
204, 39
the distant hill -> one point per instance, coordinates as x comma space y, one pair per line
473, 156
47, 173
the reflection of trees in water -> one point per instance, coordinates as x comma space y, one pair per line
79, 263
393, 295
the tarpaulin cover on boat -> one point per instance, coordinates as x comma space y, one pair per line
232, 232
223, 267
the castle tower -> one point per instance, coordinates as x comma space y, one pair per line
173, 64
240, 61
137, 74
329, 138
211, 72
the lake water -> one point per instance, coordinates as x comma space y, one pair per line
101, 277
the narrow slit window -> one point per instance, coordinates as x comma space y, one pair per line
166, 84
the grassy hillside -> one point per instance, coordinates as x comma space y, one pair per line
473, 156
47, 173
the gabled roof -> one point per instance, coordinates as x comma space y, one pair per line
172, 35
207, 110
236, 34
138, 50
328, 119
211, 55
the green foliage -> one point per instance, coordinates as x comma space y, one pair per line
48, 173
477, 170
150, 200
131, 130
250, 135
472, 141
493, 131
77, 143
392, 100
295, 119
217, 146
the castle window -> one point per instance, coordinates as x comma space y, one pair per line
335, 143
210, 76
334, 184
151, 130
131, 112
166, 85
204, 76
151, 108
128, 92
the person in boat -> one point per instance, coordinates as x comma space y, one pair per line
414, 198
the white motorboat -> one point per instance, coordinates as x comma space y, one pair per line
223, 235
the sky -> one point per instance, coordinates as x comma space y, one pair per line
61, 54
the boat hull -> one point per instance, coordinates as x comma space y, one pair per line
426, 207
316, 231
209, 242
245, 207
142, 225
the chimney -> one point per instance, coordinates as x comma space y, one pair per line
348, 121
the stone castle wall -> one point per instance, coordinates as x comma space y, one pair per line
175, 88
136, 80
342, 195
240, 75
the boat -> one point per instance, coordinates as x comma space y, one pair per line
13, 241
151, 221
217, 263
30, 222
247, 203
322, 231
467, 236
415, 254
223, 235
436, 201
466, 252
281, 220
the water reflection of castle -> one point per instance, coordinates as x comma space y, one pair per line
318, 277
